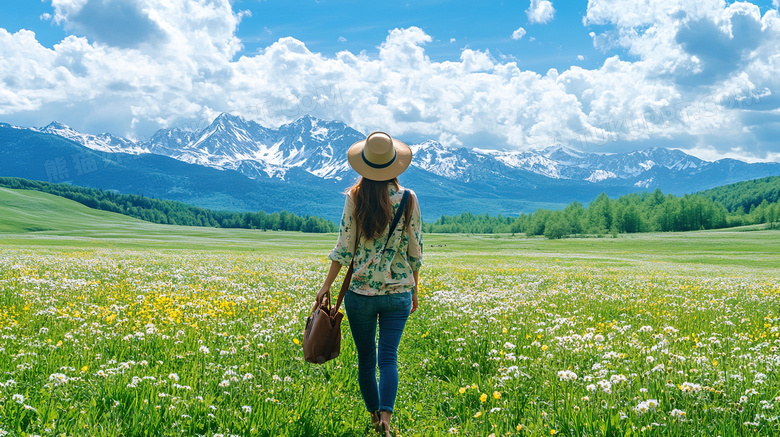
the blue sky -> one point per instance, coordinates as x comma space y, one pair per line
332, 26
603, 75
452, 24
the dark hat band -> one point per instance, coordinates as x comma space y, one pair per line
379, 166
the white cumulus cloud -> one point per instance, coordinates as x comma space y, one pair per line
701, 76
540, 11
519, 33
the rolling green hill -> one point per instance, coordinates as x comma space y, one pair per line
171, 211
32, 217
747, 194
33, 211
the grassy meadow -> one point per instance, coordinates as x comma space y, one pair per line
110, 326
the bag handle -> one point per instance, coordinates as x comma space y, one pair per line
348, 277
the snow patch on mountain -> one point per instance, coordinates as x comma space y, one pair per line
600, 175
647, 183
647, 165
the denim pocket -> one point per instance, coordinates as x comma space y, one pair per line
400, 301
354, 302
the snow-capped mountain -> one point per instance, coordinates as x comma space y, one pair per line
230, 142
104, 142
319, 147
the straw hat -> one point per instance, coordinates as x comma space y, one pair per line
379, 157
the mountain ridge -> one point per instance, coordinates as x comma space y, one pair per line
308, 157
319, 148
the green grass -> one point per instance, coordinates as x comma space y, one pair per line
110, 302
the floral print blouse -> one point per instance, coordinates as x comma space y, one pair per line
374, 273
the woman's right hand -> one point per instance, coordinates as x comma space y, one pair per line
322, 293
414, 301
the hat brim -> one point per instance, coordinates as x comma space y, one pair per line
402, 160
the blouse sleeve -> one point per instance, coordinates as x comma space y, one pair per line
414, 232
344, 250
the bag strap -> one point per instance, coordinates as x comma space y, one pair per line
397, 217
348, 277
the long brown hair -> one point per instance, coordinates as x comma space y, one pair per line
373, 208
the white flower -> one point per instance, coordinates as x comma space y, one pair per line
646, 329
599, 338
204, 349
58, 378
248, 376
591, 387
649, 359
18, 398
246, 409
174, 377
566, 375
677, 413
688, 387
642, 408
751, 392
617, 379
509, 345
453, 430
224, 383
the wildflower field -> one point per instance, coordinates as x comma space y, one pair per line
131, 329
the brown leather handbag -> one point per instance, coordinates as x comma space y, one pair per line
322, 336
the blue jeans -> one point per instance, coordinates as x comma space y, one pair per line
391, 310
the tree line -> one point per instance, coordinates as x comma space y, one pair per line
172, 212
743, 197
744, 203
631, 213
